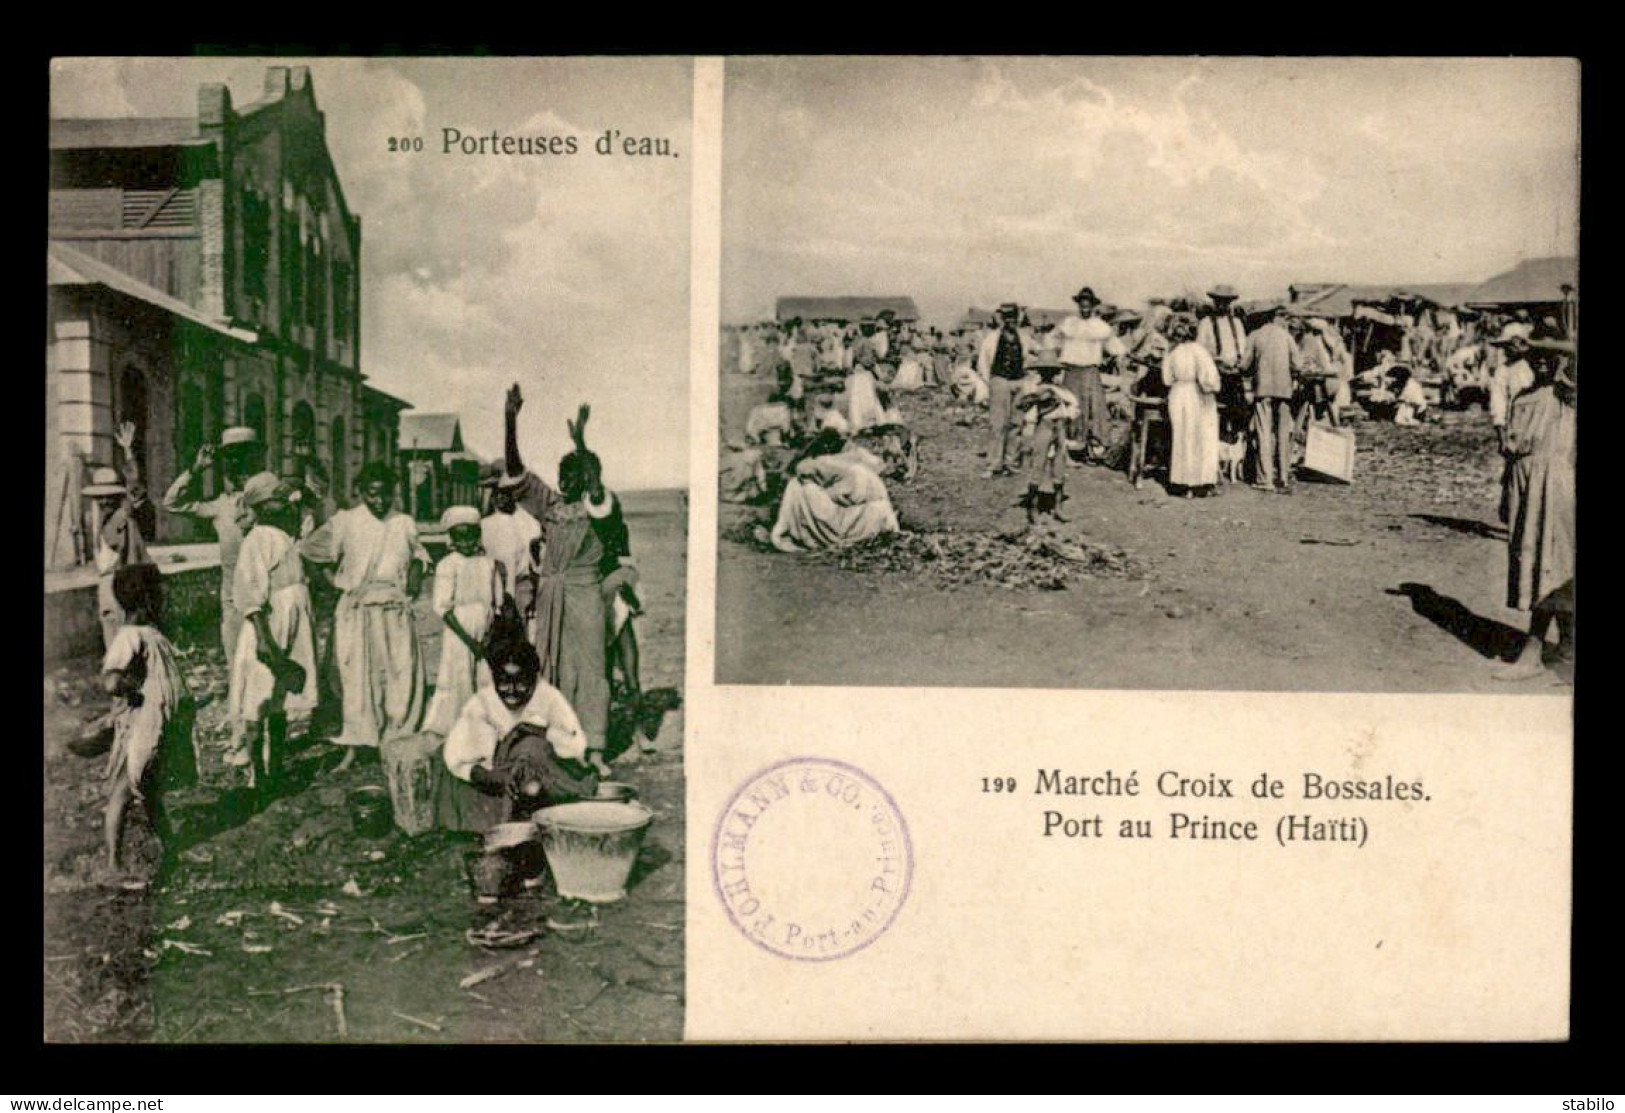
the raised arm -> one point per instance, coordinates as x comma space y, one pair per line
181, 497
512, 462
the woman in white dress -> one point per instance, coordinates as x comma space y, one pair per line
380, 568
468, 593
837, 498
1192, 379
273, 672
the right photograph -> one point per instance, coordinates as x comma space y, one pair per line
1149, 373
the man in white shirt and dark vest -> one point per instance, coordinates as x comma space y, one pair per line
1002, 362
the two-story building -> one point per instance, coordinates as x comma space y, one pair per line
202, 272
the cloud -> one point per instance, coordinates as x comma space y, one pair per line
569, 274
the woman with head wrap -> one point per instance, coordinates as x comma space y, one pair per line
836, 498
572, 618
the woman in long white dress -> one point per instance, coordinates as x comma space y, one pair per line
1192, 379
837, 498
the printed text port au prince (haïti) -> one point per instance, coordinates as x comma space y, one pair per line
1201, 812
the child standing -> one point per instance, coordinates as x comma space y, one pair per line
152, 734
1047, 409
468, 593
274, 669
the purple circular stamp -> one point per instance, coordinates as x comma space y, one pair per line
811, 859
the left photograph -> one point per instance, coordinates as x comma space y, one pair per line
366, 457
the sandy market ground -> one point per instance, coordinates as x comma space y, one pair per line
1395, 583
265, 913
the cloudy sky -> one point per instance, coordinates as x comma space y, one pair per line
568, 274
973, 181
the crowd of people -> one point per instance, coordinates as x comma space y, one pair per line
1211, 397
537, 596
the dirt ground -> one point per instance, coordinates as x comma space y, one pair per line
265, 912
1394, 583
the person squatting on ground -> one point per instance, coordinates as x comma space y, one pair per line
380, 565
273, 671
517, 743
468, 596
1049, 409
153, 747
835, 498
1540, 448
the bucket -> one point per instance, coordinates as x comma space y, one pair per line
370, 813
414, 766
591, 846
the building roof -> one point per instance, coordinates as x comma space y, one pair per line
1338, 300
431, 432
375, 396
144, 131
1530, 282
68, 266
844, 308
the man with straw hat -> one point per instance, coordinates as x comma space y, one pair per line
120, 506
1002, 365
1086, 341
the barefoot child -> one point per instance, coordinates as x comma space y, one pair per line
274, 669
152, 739
468, 593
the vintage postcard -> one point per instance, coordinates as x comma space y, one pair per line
1127, 591
1144, 551
366, 458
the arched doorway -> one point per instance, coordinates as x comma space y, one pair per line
341, 471
302, 426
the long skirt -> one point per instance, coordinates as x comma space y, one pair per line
572, 635
1194, 419
381, 669
1093, 421
460, 675
1540, 530
810, 519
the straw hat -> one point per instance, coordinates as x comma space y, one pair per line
1223, 290
238, 434
104, 483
